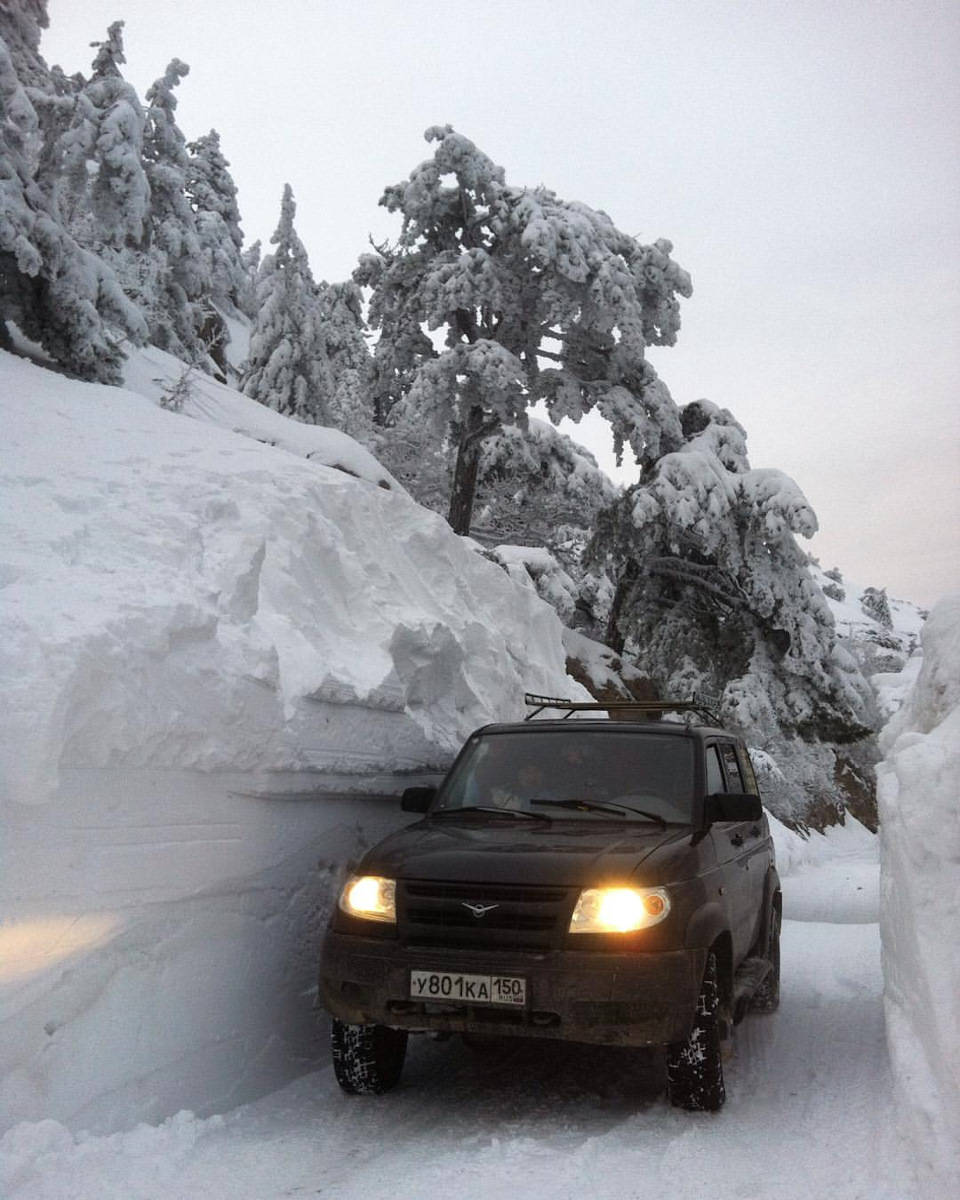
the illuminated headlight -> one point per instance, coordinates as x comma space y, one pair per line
370, 897
619, 909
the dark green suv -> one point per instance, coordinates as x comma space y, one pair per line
588, 880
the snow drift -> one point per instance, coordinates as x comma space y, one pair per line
219, 657
919, 799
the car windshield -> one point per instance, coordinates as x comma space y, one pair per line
613, 775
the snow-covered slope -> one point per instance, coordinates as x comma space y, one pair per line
919, 799
211, 645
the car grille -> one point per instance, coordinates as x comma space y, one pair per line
528, 918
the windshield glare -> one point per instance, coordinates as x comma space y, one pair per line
650, 771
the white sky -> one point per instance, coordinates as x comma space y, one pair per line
802, 155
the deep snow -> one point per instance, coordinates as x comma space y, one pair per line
225, 634
211, 645
810, 1109
919, 802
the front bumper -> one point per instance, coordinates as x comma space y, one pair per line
633, 999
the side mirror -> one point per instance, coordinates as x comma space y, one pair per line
732, 806
417, 799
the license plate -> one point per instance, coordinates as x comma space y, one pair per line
438, 986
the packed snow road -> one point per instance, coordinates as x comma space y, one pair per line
810, 1110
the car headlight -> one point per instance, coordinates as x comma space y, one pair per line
371, 897
619, 909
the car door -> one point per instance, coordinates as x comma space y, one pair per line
741, 850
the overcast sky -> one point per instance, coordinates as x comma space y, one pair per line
802, 155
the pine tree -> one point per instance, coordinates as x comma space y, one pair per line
716, 595
288, 369
515, 276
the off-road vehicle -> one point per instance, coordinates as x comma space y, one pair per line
590, 880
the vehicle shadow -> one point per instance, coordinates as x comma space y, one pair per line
519, 1076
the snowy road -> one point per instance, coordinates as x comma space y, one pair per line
810, 1111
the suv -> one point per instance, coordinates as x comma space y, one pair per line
595, 880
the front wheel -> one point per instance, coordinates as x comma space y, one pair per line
695, 1067
367, 1059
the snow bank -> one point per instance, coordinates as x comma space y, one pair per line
211, 646
919, 800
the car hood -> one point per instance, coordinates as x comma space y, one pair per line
577, 853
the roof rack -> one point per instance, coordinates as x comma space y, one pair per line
539, 703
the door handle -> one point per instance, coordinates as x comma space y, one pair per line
736, 840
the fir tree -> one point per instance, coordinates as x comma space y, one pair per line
95, 172
213, 196
287, 369
170, 268
57, 293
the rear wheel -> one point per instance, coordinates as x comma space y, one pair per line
695, 1067
367, 1059
767, 996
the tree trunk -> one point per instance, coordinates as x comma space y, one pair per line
615, 639
466, 471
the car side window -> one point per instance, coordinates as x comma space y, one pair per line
746, 770
728, 752
715, 781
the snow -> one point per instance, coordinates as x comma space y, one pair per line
810, 1109
222, 661
919, 802
225, 653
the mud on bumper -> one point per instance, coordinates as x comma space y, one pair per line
635, 999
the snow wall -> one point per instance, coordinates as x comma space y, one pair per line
919, 802
221, 663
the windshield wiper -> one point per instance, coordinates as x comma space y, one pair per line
491, 808
604, 806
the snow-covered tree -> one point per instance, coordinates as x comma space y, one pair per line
250, 261
536, 484
349, 405
516, 277
57, 293
213, 197
21, 23
875, 605
715, 595
288, 369
170, 277
95, 170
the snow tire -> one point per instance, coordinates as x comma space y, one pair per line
367, 1059
766, 998
695, 1067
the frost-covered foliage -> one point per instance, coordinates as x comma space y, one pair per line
535, 481
350, 402
21, 22
58, 293
287, 369
213, 196
876, 606
515, 277
95, 169
715, 596
170, 264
